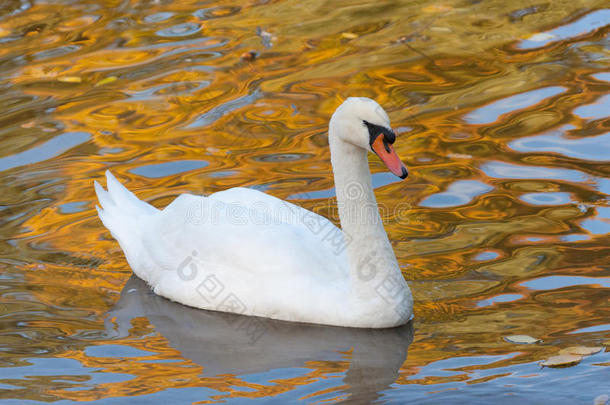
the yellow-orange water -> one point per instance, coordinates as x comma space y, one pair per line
502, 114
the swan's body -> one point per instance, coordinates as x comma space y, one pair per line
246, 252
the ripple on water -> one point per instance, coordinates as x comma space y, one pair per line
597, 110
592, 329
487, 255
459, 193
596, 148
575, 237
556, 282
56, 368
503, 170
558, 198
55, 52
158, 17
282, 157
173, 89
600, 224
73, 207
223, 173
45, 151
221, 110
582, 26
491, 112
115, 351
180, 30
603, 76
169, 168
216, 12
499, 298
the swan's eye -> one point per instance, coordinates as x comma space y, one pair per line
376, 130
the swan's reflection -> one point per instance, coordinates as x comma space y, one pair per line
225, 343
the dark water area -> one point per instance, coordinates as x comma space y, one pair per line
501, 111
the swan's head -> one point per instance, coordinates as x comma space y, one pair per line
362, 122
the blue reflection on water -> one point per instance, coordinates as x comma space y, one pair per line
558, 198
45, 151
180, 30
221, 110
599, 225
597, 110
489, 255
158, 17
115, 351
168, 168
595, 148
491, 112
575, 237
461, 192
596, 328
61, 367
499, 298
604, 76
72, 207
555, 282
513, 171
514, 383
588, 23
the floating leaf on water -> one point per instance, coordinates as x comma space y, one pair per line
521, 339
562, 360
106, 80
70, 79
349, 35
581, 350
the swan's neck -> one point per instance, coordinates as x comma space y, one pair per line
371, 258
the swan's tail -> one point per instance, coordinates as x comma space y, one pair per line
124, 215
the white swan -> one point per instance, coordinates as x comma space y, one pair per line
246, 252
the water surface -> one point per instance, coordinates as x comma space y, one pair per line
502, 227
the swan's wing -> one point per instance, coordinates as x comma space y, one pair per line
241, 247
247, 239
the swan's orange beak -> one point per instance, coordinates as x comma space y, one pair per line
388, 155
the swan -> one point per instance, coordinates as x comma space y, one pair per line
245, 252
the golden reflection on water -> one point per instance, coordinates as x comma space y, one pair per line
135, 86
